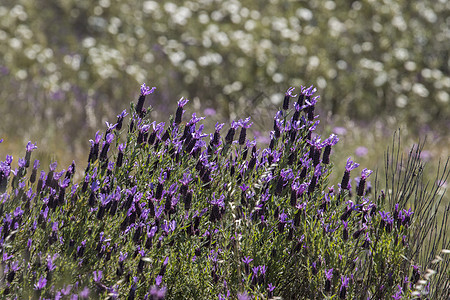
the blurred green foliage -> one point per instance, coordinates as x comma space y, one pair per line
62, 62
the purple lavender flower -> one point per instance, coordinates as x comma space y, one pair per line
194, 120
306, 162
158, 280
119, 160
93, 154
216, 137
310, 105
230, 135
53, 166
158, 293
145, 90
270, 289
14, 268
162, 271
120, 117
287, 97
314, 268
262, 274
40, 284
29, 148
218, 204
179, 113
105, 147
51, 262
143, 133
362, 182
110, 127
398, 294
80, 249
84, 294
33, 175
123, 256
66, 290
328, 277
312, 183
301, 96
247, 260
315, 143
277, 125
294, 192
243, 134
97, 276
406, 283
282, 219
329, 142
406, 217
22, 163
345, 231
70, 170
7, 257
295, 122
348, 167
344, 286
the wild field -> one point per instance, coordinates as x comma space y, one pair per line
295, 149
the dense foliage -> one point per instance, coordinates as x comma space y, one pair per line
165, 210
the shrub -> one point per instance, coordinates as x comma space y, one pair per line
168, 211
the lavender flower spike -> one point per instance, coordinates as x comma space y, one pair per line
119, 160
331, 141
179, 113
110, 127
216, 137
244, 125
328, 276
40, 284
366, 173
348, 167
270, 288
120, 117
145, 90
288, 96
247, 260
30, 147
344, 286
362, 182
105, 148
230, 135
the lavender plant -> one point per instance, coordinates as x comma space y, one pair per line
167, 211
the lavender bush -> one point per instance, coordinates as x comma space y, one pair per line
167, 211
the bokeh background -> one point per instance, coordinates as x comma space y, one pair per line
67, 66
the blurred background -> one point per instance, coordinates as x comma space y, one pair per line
67, 66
